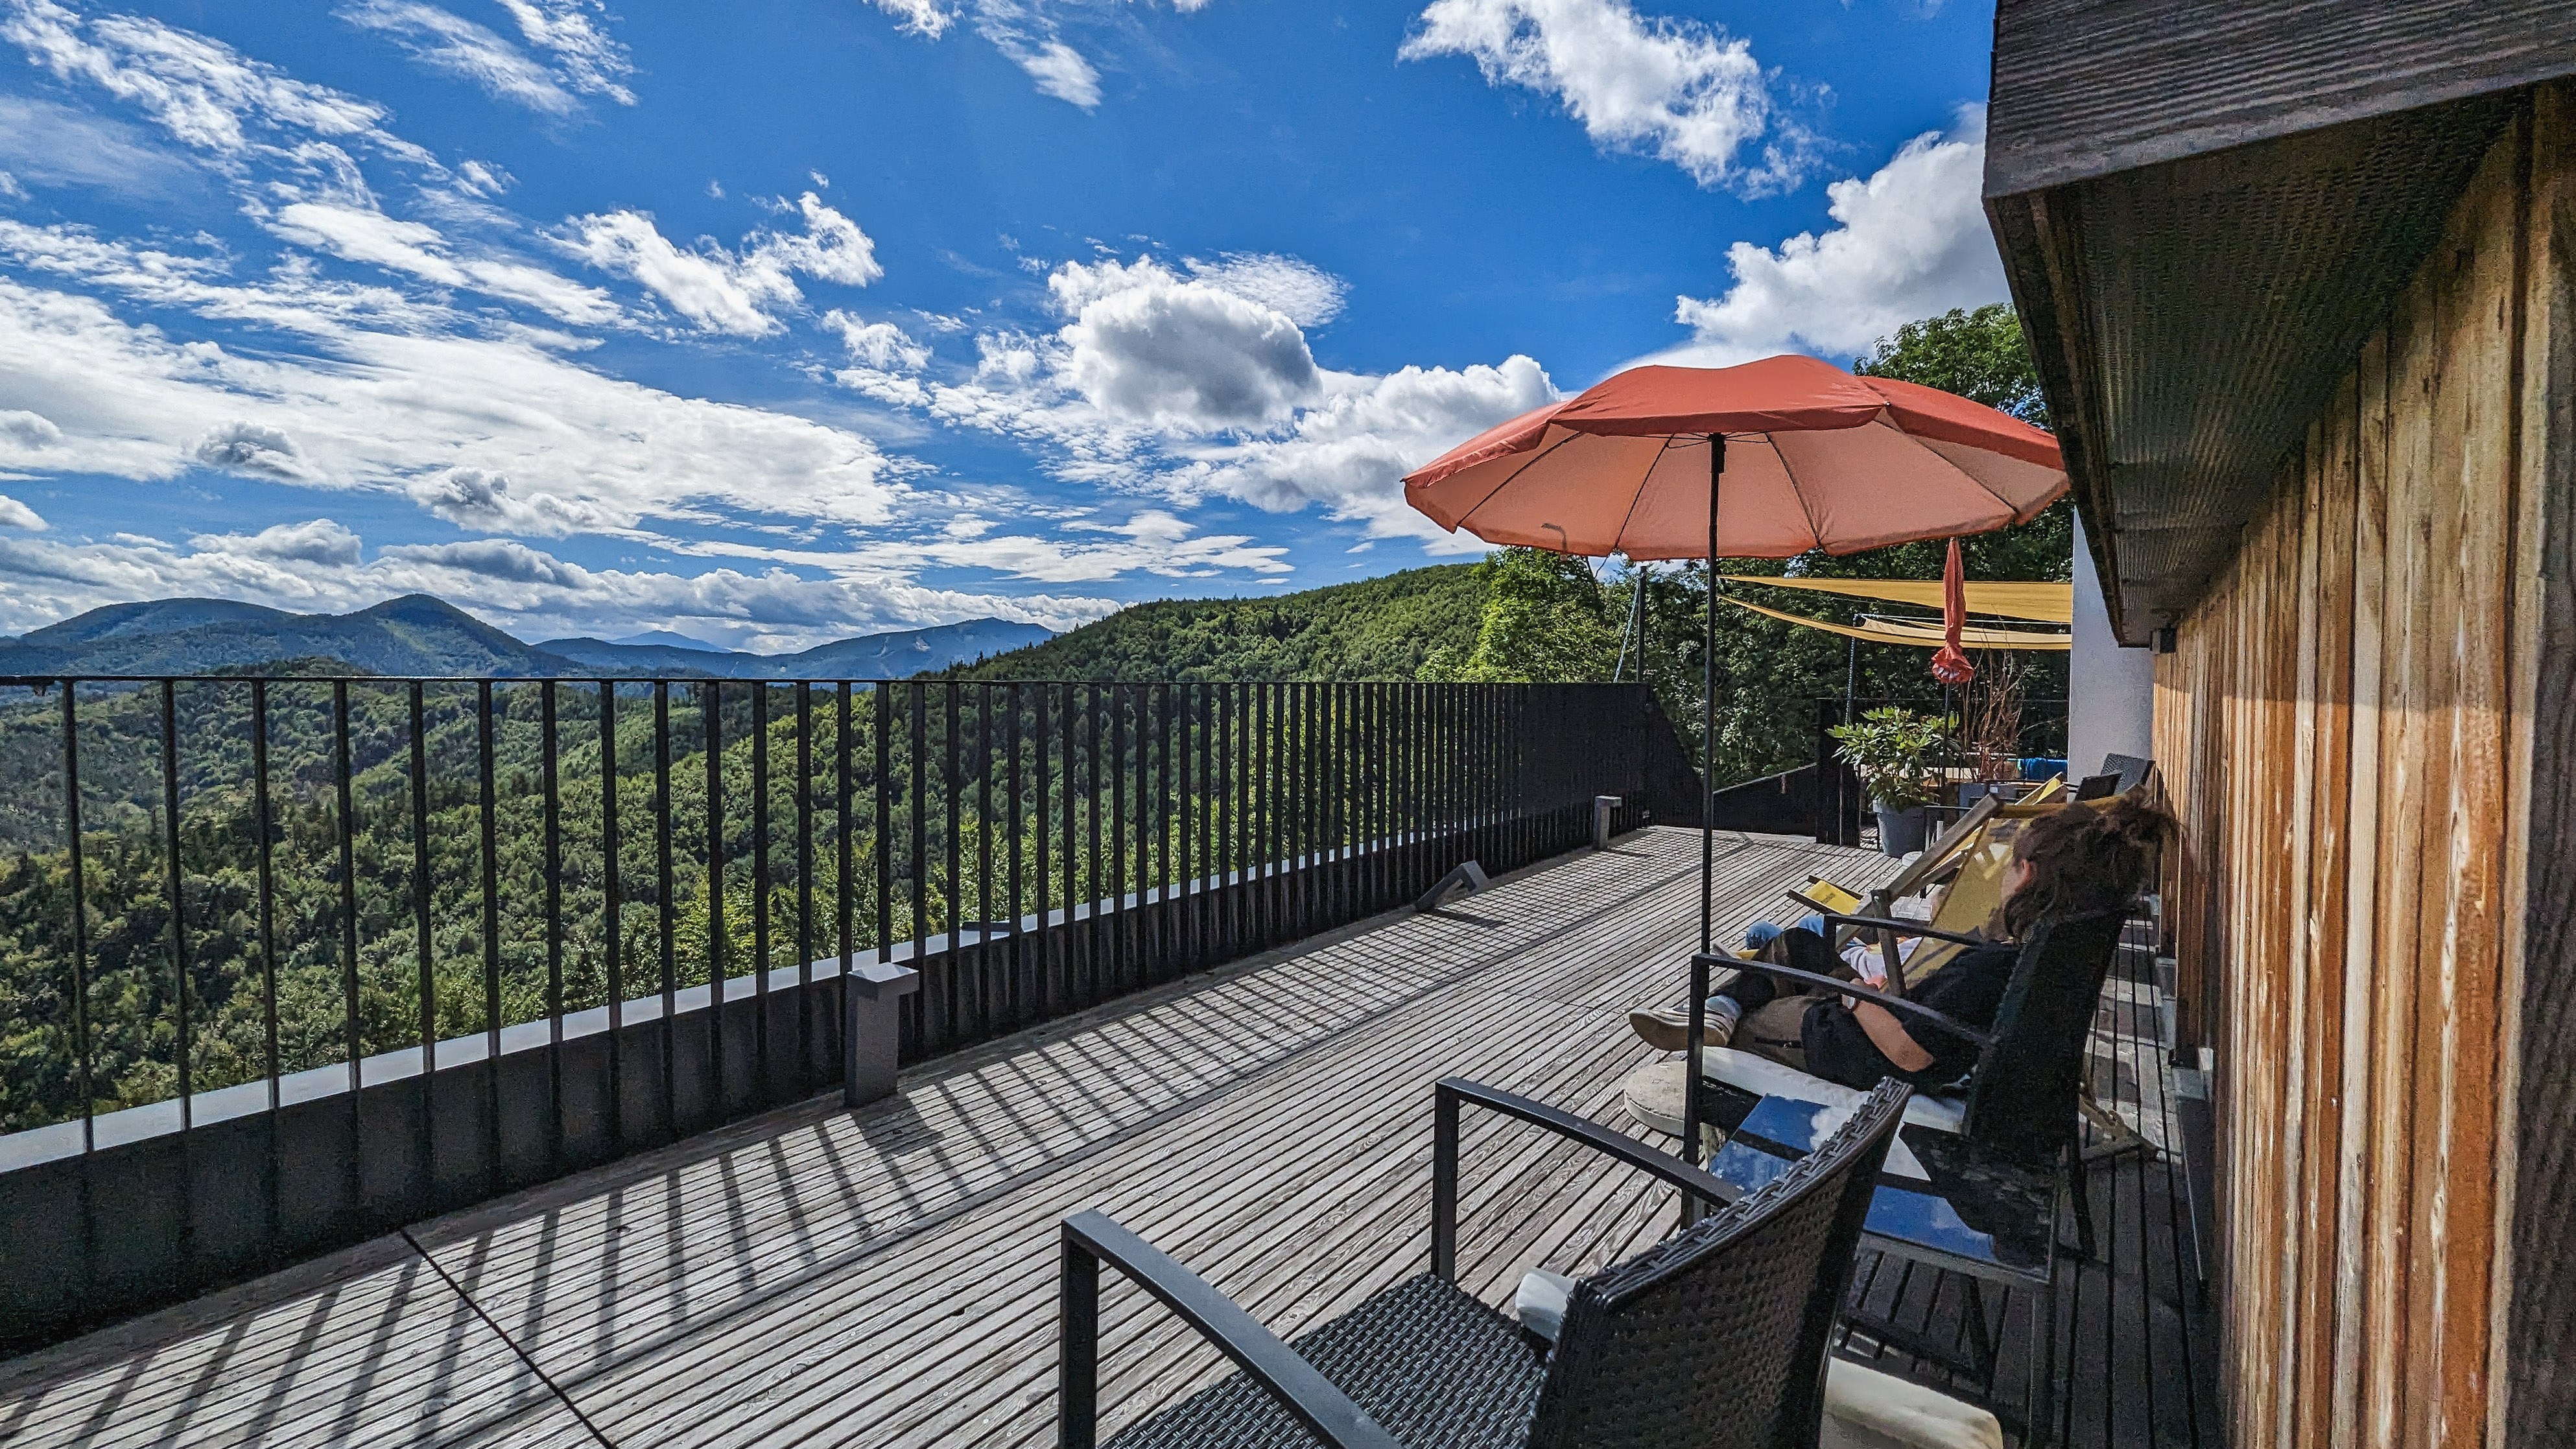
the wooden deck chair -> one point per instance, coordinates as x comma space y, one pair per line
1974, 856
1928, 868
1829, 898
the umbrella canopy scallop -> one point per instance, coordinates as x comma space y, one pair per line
1815, 459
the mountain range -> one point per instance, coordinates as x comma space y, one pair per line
420, 635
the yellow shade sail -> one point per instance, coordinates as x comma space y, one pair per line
2053, 603
1918, 636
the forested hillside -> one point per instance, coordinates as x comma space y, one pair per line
1381, 628
552, 929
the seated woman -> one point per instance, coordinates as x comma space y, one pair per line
2071, 862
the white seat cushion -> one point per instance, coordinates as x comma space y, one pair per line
1539, 1303
1866, 1409
1653, 1096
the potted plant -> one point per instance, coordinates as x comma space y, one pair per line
1888, 748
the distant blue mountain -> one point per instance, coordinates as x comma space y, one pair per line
415, 634
420, 635
871, 656
665, 639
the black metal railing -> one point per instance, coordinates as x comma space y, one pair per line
343, 952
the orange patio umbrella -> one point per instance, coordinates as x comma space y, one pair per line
1766, 460
1809, 456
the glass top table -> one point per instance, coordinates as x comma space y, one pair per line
1940, 1200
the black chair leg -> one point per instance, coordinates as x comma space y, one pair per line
2040, 1399
2083, 1193
1078, 1349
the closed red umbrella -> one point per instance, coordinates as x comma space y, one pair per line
1767, 460
1950, 663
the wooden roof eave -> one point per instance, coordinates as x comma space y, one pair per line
2105, 171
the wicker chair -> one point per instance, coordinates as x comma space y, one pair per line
1714, 1337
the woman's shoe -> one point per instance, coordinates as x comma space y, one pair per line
1667, 1028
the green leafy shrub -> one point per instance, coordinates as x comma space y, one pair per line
1889, 747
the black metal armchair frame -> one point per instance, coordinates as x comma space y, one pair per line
2122, 1137
1332, 1417
2009, 1103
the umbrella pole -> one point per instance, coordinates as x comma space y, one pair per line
1699, 981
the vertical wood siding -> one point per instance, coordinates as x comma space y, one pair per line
2346, 727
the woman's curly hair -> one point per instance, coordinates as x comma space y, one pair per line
2082, 860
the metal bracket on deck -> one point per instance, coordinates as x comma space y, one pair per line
872, 1029
1467, 879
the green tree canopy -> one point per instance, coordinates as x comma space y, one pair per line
1979, 355
1544, 622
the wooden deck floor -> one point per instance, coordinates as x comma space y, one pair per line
888, 1277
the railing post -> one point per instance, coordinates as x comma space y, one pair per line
1828, 784
872, 1029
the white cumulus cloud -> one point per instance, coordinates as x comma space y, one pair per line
358, 234
1305, 293
444, 40
1198, 382
319, 541
1147, 346
14, 514
727, 291
1059, 70
260, 449
1908, 241
1677, 90
919, 17
201, 91
1350, 454
586, 57
24, 433
379, 410
482, 500
879, 345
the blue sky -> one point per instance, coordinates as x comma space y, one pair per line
782, 320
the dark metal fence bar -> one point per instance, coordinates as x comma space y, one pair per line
572, 989
424, 951
488, 819
553, 796
612, 911
665, 882
711, 711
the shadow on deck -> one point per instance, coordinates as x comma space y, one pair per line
887, 1277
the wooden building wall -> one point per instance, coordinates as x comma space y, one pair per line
2348, 729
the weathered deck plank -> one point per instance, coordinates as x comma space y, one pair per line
887, 1277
